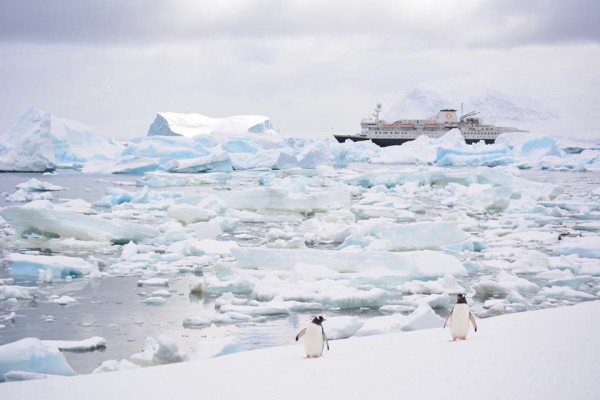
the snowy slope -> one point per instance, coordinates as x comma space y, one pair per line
190, 125
493, 106
40, 141
549, 354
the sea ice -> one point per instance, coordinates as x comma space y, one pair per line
62, 300
54, 267
342, 327
43, 217
187, 213
275, 199
158, 351
31, 355
587, 246
34, 185
23, 196
17, 292
424, 263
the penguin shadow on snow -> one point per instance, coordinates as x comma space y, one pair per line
460, 319
314, 338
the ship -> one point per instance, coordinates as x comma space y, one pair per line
384, 133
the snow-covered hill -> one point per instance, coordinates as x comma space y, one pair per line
190, 125
547, 354
41, 141
493, 106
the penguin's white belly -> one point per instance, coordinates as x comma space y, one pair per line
459, 323
313, 340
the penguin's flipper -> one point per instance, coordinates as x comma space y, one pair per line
472, 318
300, 334
325, 338
447, 321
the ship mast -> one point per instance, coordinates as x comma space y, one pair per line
377, 111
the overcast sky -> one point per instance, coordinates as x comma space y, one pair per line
310, 66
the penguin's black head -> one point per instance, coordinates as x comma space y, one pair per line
318, 320
460, 299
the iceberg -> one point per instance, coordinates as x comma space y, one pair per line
52, 267
43, 217
31, 355
191, 125
42, 142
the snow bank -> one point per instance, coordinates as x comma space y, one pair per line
389, 365
32, 355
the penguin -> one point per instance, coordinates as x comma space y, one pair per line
459, 319
314, 338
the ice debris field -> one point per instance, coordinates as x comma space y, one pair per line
233, 229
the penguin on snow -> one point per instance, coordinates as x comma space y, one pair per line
459, 319
314, 338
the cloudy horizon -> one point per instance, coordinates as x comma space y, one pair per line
312, 67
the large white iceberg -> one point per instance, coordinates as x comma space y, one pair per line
41, 142
190, 125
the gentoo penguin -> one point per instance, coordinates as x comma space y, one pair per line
459, 319
314, 338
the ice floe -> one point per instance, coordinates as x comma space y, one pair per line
44, 218
31, 355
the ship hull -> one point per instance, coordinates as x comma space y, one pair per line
381, 142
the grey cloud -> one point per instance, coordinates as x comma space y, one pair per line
487, 23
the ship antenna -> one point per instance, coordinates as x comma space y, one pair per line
461, 109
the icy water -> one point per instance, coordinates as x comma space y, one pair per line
112, 306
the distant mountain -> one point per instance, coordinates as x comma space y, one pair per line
190, 125
493, 106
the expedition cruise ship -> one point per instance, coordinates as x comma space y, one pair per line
384, 133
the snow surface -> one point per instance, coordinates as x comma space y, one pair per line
547, 354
